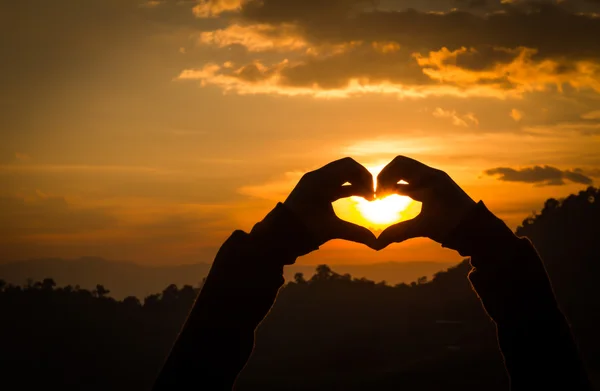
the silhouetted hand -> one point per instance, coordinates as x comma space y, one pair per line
445, 204
311, 200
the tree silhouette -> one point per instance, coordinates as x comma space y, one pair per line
299, 278
100, 291
323, 273
48, 284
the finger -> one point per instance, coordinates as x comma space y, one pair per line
354, 233
348, 170
416, 193
399, 233
350, 191
403, 168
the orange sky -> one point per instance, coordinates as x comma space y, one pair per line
149, 131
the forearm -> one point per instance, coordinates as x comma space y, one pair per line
218, 336
511, 281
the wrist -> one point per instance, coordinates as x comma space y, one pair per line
456, 215
479, 231
309, 219
284, 234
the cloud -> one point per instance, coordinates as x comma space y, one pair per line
257, 78
410, 49
587, 128
524, 73
541, 175
334, 48
441, 24
465, 120
256, 38
515, 114
342, 70
361, 68
592, 115
214, 8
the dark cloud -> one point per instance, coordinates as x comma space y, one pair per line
541, 175
253, 73
553, 29
473, 3
360, 62
485, 57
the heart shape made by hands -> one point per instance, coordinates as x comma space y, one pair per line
377, 214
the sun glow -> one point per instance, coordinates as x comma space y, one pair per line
382, 211
379, 213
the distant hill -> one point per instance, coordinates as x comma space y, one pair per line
129, 279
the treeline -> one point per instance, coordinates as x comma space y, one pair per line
328, 329
327, 332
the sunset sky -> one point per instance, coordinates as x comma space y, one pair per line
149, 131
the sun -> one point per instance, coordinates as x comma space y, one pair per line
380, 213
383, 211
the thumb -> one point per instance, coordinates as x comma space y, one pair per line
399, 233
354, 233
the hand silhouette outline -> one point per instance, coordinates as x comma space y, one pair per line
445, 204
312, 197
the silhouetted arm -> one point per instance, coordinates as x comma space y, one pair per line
508, 275
511, 281
218, 337
242, 284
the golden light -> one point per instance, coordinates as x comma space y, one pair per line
377, 214
382, 211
